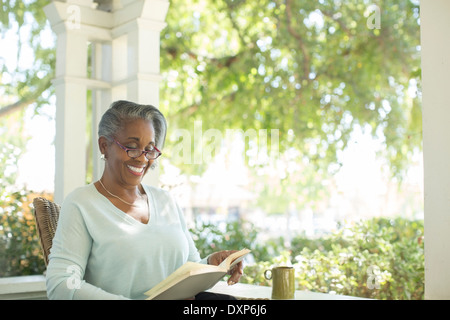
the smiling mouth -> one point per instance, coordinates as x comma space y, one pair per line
136, 170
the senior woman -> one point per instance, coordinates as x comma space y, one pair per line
117, 238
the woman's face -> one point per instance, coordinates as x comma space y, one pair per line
135, 134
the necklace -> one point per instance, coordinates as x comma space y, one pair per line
113, 195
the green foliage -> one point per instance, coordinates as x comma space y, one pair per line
210, 238
20, 251
341, 262
27, 79
313, 70
12, 143
234, 235
380, 250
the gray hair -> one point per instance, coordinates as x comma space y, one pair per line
121, 111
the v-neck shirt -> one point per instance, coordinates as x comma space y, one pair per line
100, 252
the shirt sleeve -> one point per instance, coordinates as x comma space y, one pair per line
68, 258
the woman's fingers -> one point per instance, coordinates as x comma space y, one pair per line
237, 273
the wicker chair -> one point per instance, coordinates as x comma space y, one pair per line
46, 214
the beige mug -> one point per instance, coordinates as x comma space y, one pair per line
283, 282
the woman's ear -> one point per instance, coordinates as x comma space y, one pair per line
103, 145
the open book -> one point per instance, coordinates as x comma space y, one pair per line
192, 278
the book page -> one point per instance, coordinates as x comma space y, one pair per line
189, 286
186, 270
234, 259
191, 277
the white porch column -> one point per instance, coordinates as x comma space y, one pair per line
136, 43
125, 65
101, 98
71, 65
435, 46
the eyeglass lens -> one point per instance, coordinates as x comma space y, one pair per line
137, 153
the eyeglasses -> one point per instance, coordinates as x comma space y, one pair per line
136, 153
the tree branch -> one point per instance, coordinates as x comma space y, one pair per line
223, 62
27, 99
191, 109
338, 21
296, 35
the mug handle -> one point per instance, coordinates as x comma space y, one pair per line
266, 274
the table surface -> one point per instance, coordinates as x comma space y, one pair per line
248, 291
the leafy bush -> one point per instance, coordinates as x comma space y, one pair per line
233, 235
379, 258
388, 252
20, 251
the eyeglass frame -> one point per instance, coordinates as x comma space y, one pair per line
142, 151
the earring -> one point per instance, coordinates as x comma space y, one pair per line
103, 157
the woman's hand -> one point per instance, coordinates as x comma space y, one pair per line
237, 271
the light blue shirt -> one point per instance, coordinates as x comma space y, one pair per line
100, 252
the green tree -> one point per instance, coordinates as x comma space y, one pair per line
27, 79
20, 252
312, 69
